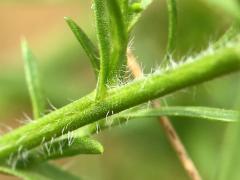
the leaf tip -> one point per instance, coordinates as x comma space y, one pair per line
100, 149
66, 18
97, 147
24, 45
25, 50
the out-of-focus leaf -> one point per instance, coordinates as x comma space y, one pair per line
33, 81
135, 11
43, 171
86, 44
232, 35
229, 161
193, 112
232, 7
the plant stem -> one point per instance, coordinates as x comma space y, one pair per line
103, 34
170, 132
87, 110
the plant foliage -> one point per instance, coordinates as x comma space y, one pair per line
65, 131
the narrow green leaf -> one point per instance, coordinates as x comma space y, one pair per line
103, 34
232, 7
193, 112
44, 171
86, 44
33, 81
205, 113
119, 41
232, 35
172, 27
125, 10
229, 160
66, 146
30, 165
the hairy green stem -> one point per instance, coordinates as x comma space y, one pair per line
103, 34
87, 110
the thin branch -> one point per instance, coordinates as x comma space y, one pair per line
171, 133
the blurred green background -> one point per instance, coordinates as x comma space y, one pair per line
138, 150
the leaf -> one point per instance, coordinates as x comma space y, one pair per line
117, 17
33, 81
206, 113
229, 159
232, 7
62, 147
40, 171
86, 44
32, 167
103, 34
232, 35
111, 21
44, 171
125, 9
118, 41
192, 112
